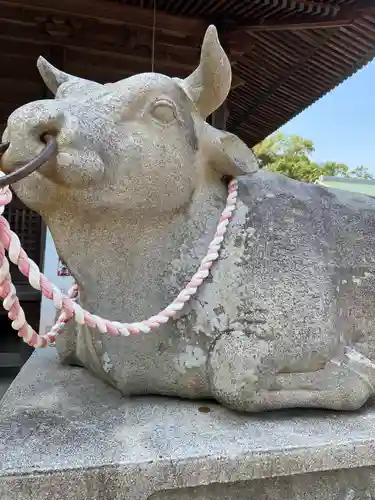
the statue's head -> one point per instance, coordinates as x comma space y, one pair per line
142, 142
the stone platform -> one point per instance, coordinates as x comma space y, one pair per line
66, 435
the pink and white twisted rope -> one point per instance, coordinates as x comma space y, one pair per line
67, 303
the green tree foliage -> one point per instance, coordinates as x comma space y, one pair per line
290, 155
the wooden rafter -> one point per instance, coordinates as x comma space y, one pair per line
114, 38
344, 17
114, 13
21, 45
297, 26
268, 92
102, 56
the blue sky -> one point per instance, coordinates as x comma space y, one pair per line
342, 123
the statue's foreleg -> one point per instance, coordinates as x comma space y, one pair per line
244, 376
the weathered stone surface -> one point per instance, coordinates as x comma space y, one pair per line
65, 434
133, 199
356, 484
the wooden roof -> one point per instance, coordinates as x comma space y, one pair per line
285, 53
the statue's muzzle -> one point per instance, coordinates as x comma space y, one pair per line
22, 172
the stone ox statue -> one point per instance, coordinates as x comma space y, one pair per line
133, 199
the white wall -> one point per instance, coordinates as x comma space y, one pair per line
51, 262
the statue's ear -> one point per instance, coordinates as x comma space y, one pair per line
227, 154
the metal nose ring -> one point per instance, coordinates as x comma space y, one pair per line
31, 166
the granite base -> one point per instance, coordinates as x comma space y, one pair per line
66, 435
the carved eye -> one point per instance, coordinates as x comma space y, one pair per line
163, 111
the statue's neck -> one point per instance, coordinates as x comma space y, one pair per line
129, 268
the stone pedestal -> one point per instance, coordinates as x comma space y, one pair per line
66, 435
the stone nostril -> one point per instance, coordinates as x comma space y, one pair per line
49, 140
50, 126
45, 136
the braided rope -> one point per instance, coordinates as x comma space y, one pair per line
67, 303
